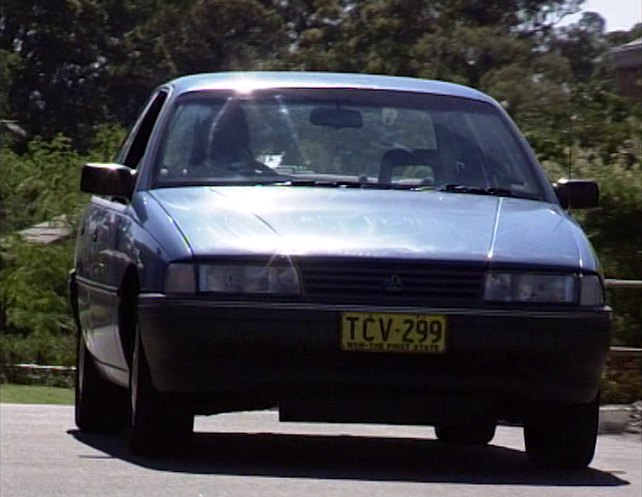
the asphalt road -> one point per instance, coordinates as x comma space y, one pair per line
252, 454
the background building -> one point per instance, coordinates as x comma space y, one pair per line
627, 62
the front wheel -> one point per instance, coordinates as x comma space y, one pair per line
562, 436
156, 423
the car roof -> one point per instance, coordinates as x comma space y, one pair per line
246, 82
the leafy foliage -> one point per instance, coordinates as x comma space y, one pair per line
41, 185
33, 295
74, 72
34, 287
615, 228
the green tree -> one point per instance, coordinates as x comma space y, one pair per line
41, 185
84, 68
59, 44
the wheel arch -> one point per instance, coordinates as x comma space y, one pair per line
128, 311
72, 286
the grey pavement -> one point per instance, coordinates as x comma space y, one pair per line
252, 454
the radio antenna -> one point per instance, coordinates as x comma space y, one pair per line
570, 147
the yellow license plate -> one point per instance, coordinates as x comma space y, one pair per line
391, 332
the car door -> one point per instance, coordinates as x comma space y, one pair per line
101, 264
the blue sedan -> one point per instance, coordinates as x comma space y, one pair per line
345, 248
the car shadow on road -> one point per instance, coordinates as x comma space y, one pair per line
350, 457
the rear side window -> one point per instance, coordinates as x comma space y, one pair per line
136, 142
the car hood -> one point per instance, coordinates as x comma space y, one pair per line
288, 220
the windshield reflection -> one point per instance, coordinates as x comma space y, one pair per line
336, 138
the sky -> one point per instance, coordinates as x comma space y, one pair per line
619, 14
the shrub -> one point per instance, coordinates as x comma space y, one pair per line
38, 186
615, 228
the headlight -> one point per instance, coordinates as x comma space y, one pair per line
592, 290
530, 287
248, 278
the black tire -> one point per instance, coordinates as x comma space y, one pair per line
562, 436
99, 404
157, 425
475, 432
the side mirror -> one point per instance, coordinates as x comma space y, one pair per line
108, 179
577, 193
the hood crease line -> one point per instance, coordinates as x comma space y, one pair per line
493, 239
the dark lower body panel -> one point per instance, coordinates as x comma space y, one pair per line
233, 356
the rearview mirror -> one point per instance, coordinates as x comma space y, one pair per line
577, 193
336, 117
107, 179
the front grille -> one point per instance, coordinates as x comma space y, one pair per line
390, 282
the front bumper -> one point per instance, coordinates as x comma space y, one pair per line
198, 346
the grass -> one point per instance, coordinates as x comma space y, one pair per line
28, 394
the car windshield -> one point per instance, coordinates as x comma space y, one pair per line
338, 137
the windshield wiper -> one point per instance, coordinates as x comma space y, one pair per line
330, 183
479, 190
341, 183
170, 183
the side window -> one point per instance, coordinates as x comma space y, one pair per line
136, 142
